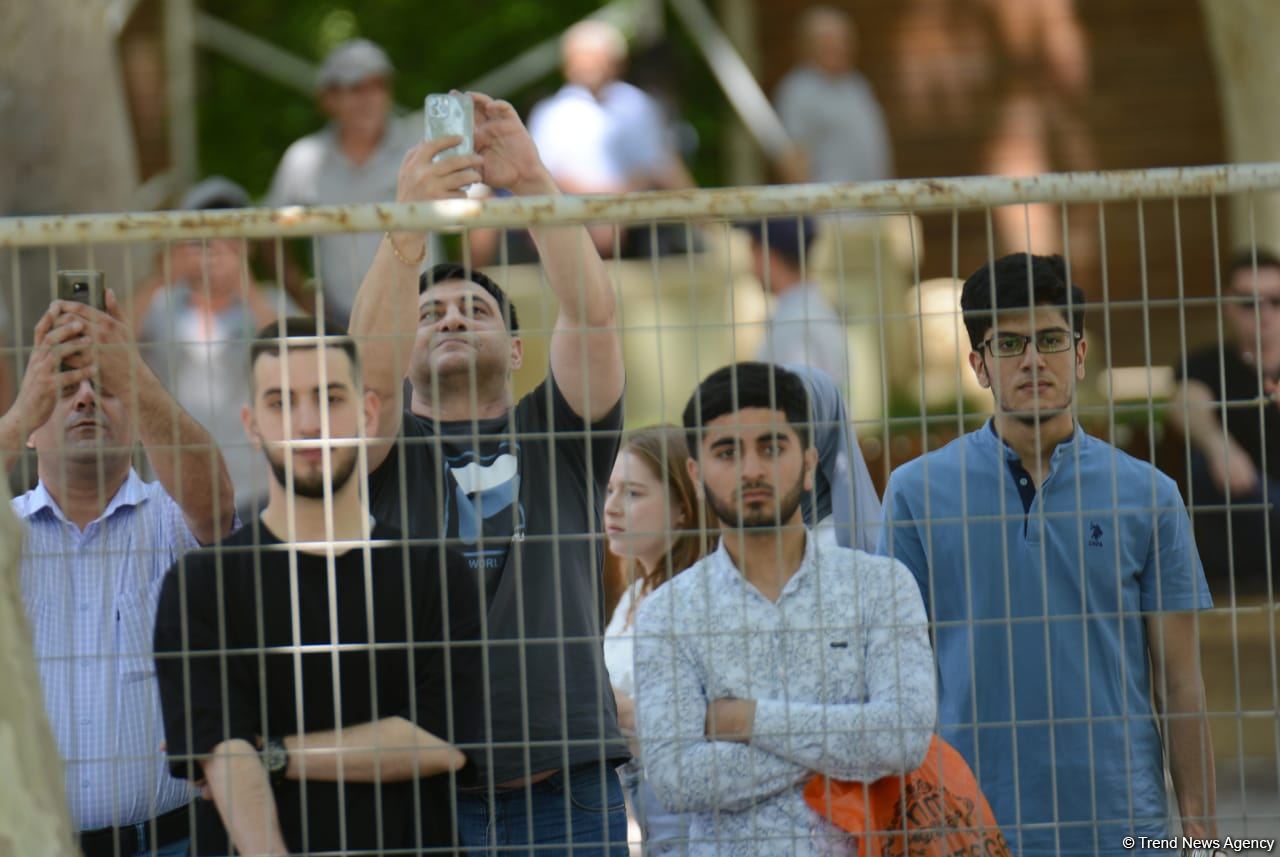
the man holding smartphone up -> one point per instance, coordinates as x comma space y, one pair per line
98, 542
516, 487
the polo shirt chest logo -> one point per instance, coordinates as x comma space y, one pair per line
1095, 534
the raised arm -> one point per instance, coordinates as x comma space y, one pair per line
384, 318
239, 788
1194, 412
688, 772
586, 351
890, 732
44, 378
184, 456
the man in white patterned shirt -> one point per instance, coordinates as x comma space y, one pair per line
98, 542
775, 657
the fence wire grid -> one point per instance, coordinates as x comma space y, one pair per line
511, 563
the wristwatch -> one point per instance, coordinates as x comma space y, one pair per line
275, 759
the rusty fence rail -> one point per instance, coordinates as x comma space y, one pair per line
908, 195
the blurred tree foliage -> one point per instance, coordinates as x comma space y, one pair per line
247, 121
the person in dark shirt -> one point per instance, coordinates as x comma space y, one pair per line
1227, 408
516, 487
300, 661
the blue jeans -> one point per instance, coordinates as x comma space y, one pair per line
582, 806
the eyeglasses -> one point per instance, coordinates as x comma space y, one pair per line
1050, 341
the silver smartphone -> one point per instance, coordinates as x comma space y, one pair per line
450, 115
86, 287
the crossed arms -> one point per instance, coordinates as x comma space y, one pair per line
702, 754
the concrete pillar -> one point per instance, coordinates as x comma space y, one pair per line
33, 805
1243, 35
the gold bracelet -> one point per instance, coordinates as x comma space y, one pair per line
412, 263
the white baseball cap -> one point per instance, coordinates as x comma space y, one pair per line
351, 62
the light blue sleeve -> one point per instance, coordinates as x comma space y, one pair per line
900, 536
1173, 578
688, 772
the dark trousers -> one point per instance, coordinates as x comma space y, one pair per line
582, 806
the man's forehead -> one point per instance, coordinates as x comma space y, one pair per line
747, 424
1021, 320
303, 367
448, 291
1265, 280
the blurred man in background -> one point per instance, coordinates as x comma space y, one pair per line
1227, 407
355, 158
829, 109
803, 327
600, 134
195, 316
98, 541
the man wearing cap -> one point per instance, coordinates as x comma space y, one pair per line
354, 159
803, 328
194, 317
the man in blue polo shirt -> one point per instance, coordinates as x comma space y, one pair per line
1060, 575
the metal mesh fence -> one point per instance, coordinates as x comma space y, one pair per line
342, 586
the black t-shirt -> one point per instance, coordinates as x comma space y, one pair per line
518, 497
244, 590
1243, 389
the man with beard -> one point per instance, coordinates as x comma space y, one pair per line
777, 656
1062, 577
513, 484
98, 540
299, 662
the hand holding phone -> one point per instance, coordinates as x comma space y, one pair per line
86, 287
450, 115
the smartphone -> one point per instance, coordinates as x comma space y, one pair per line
87, 287
450, 115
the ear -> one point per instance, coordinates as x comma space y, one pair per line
979, 367
371, 413
250, 427
517, 353
810, 467
326, 100
1081, 348
695, 476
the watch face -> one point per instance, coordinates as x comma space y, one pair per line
275, 758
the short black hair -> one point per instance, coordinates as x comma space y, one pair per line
747, 385
1243, 261
453, 271
274, 337
1013, 283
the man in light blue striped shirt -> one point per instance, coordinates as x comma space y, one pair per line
98, 542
